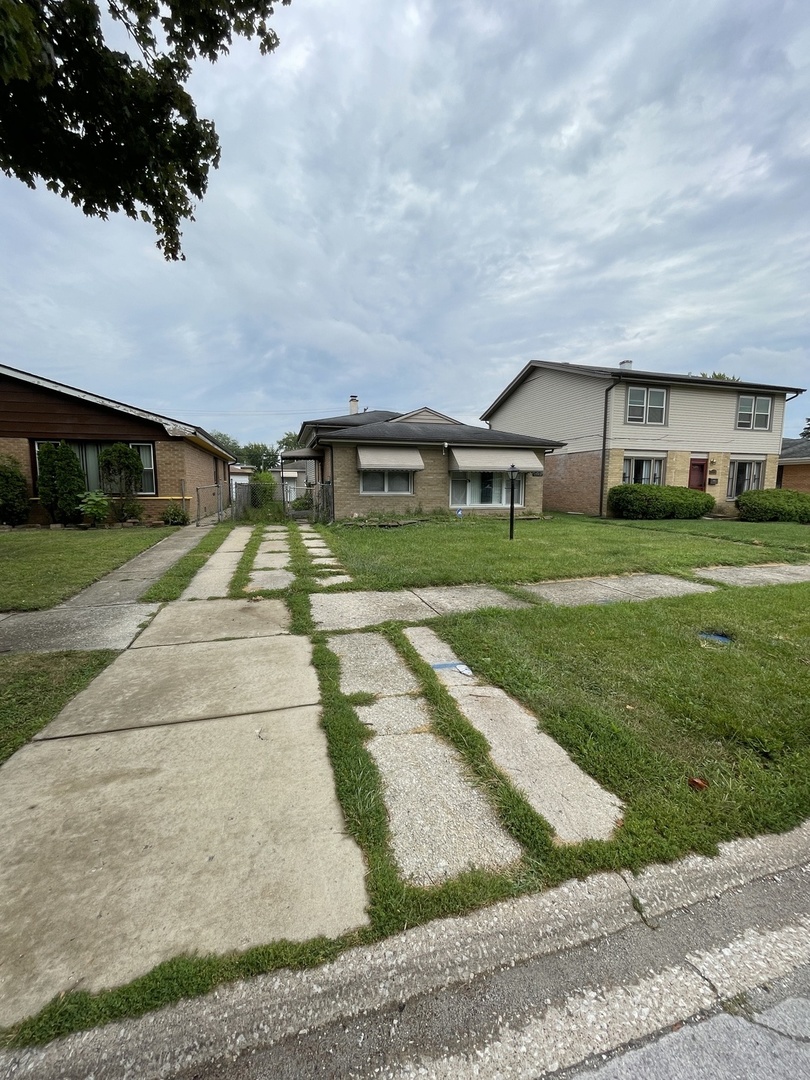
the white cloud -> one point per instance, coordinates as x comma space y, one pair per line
414, 200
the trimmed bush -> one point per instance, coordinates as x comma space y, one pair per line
13, 492
60, 482
653, 501
174, 514
121, 471
774, 504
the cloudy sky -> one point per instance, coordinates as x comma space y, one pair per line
417, 198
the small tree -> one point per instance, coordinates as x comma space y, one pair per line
805, 434
13, 492
61, 483
121, 470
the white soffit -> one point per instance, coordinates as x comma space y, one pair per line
493, 458
389, 457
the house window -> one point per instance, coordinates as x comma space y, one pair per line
646, 405
754, 413
88, 452
386, 482
743, 476
643, 471
484, 489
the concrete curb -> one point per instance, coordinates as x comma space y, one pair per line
252, 1014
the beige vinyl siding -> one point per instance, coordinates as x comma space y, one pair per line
698, 419
556, 405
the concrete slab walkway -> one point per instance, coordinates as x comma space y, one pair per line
775, 574
183, 802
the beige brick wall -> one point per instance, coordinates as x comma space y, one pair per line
431, 488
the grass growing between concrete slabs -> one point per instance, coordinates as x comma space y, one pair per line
42, 567
241, 576
34, 687
644, 705
477, 550
177, 578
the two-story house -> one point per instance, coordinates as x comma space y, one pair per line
622, 425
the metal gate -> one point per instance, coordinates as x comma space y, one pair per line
255, 500
210, 502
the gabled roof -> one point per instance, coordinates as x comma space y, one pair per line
795, 451
310, 428
629, 374
174, 428
454, 434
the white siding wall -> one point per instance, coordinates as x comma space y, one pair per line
698, 419
556, 405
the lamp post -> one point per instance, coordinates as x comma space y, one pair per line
513, 475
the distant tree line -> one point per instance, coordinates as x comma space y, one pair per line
261, 455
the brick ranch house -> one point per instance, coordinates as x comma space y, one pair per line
627, 426
794, 465
403, 463
177, 458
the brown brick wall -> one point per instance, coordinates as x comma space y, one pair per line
571, 483
796, 477
431, 488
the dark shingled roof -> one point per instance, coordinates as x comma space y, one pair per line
454, 434
795, 450
629, 374
352, 419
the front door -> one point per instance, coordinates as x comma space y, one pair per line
697, 475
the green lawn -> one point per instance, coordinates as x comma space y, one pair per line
452, 552
631, 690
42, 567
34, 687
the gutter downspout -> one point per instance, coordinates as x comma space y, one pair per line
603, 477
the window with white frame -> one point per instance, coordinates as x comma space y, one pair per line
386, 482
646, 405
88, 452
744, 476
643, 470
484, 489
754, 412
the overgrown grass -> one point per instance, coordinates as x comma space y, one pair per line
241, 575
42, 567
478, 550
770, 534
177, 578
636, 696
34, 687
643, 703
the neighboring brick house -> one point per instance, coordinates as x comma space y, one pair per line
794, 465
404, 463
177, 458
627, 426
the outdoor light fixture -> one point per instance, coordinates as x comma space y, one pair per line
513, 475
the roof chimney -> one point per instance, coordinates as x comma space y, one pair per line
353, 404
626, 364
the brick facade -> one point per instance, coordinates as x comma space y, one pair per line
572, 480
431, 488
796, 477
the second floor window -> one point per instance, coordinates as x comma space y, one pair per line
754, 413
646, 405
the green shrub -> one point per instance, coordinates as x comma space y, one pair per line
121, 471
61, 484
174, 514
96, 507
774, 504
13, 492
654, 501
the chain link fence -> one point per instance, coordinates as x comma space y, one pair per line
210, 502
256, 502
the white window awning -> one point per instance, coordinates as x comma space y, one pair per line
493, 459
389, 457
